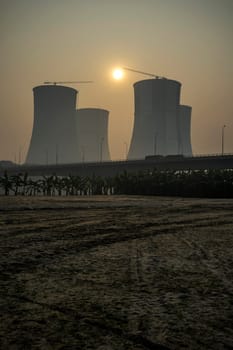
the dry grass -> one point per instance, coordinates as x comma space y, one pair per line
116, 273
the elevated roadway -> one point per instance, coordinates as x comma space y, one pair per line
112, 168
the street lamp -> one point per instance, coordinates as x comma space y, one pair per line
83, 154
20, 152
223, 128
56, 155
155, 144
101, 148
46, 157
126, 149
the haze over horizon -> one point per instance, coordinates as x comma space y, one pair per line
57, 40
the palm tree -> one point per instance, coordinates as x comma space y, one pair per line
19, 183
58, 184
6, 183
48, 185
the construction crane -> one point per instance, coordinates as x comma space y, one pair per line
144, 73
68, 82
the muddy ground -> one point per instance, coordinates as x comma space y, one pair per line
116, 273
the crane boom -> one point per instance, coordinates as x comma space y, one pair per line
68, 82
144, 73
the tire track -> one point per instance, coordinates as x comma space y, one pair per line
100, 322
212, 264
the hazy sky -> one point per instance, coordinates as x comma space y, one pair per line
56, 40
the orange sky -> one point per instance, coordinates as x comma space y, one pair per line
186, 40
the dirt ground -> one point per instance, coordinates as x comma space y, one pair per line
116, 273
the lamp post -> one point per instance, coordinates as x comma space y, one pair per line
46, 157
155, 144
126, 150
101, 148
20, 151
223, 128
56, 155
83, 154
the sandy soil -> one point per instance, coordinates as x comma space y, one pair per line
116, 273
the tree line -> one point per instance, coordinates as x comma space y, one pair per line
185, 183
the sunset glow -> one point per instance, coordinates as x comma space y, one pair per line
97, 40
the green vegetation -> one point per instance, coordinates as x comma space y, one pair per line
201, 183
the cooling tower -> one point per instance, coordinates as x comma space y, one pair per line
54, 137
156, 118
185, 130
92, 133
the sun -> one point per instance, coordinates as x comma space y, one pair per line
118, 73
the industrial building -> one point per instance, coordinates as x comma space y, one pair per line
161, 124
92, 134
63, 134
54, 138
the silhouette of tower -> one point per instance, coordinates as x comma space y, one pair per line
185, 130
92, 134
156, 118
53, 137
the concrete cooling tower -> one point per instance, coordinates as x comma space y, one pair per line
92, 133
156, 118
54, 137
185, 130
